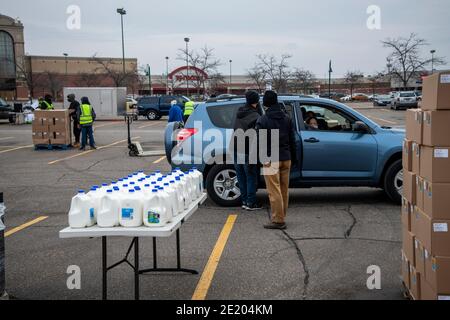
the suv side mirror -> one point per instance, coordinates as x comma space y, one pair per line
361, 127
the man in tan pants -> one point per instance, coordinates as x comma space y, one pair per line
277, 172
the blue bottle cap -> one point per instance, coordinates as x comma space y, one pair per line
93, 189
105, 184
141, 171
172, 181
166, 184
178, 179
120, 180
147, 186
148, 177
125, 185
137, 188
154, 191
154, 182
81, 191
131, 191
109, 191
132, 183
116, 189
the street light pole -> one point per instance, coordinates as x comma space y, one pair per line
65, 58
149, 72
432, 60
187, 65
231, 65
167, 75
122, 12
330, 71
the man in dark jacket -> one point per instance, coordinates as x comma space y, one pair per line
247, 170
73, 109
277, 172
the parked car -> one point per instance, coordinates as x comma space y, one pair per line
404, 100
382, 100
361, 97
419, 95
6, 111
155, 107
349, 150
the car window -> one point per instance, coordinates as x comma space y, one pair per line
407, 94
149, 100
166, 100
326, 118
223, 116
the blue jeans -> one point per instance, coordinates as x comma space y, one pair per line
247, 175
86, 131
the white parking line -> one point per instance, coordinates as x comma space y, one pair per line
6, 138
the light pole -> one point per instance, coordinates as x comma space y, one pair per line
167, 75
122, 12
432, 60
149, 72
187, 65
231, 66
330, 71
65, 58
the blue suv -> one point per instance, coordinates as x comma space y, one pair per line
347, 150
155, 107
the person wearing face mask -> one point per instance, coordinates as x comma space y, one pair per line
312, 123
175, 112
73, 109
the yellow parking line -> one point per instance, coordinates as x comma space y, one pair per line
208, 274
18, 148
6, 138
160, 160
90, 151
23, 226
149, 125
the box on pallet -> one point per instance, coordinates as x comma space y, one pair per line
435, 164
414, 125
434, 234
40, 138
437, 200
408, 245
405, 271
437, 273
436, 128
436, 91
407, 155
419, 192
409, 187
406, 214
415, 162
415, 216
419, 255
415, 282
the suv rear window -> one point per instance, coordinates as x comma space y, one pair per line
149, 100
223, 116
407, 95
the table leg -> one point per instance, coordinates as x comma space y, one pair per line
104, 269
136, 269
155, 255
178, 250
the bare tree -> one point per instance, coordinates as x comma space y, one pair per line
352, 78
375, 80
276, 70
216, 81
114, 71
203, 60
303, 80
24, 73
53, 83
406, 59
86, 79
258, 76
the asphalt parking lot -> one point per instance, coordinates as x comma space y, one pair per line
333, 234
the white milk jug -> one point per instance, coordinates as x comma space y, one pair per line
130, 210
170, 190
82, 213
108, 216
199, 177
167, 202
184, 191
96, 195
155, 213
193, 184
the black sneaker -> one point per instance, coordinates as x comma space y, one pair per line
254, 207
93, 148
244, 207
275, 226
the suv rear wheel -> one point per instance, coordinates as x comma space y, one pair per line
393, 181
223, 187
153, 115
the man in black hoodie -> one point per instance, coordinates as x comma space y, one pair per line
245, 157
277, 172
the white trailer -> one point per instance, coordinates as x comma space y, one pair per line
107, 102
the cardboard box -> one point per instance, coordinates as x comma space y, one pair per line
409, 187
408, 246
60, 138
40, 138
407, 155
414, 125
434, 234
416, 161
405, 271
60, 127
419, 255
427, 292
406, 214
415, 283
436, 128
437, 273
419, 192
436, 200
44, 116
38, 127
436, 91
435, 164
415, 216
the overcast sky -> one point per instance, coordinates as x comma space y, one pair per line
311, 31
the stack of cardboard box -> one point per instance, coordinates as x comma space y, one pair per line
426, 202
51, 127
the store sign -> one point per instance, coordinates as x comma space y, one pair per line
185, 74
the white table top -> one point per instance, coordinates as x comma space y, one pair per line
163, 232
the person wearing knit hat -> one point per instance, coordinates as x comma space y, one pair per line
247, 170
283, 152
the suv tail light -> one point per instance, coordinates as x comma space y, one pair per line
185, 134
